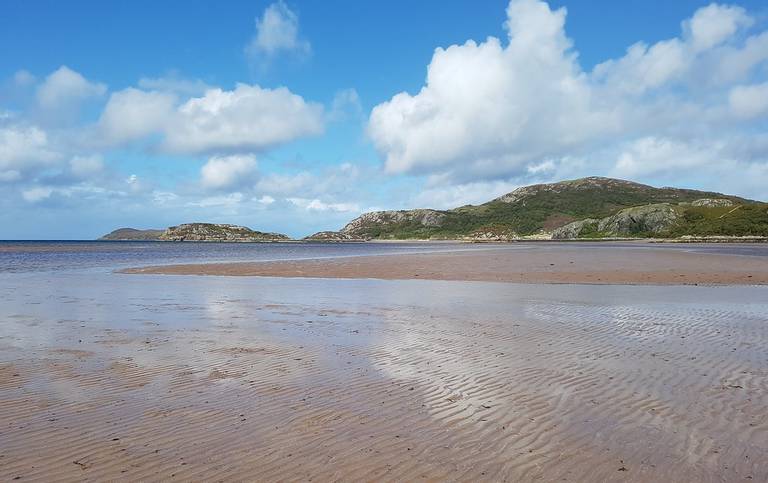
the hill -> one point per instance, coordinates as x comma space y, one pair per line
205, 232
582, 208
131, 234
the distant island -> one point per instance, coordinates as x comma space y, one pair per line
204, 232
586, 208
132, 234
582, 209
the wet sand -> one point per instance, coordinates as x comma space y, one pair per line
155, 378
631, 263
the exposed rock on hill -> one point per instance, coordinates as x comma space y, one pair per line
368, 225
210, 232
638, 220
713, 203
538, 211
333, 236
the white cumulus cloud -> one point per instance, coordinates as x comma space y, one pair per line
132, 114
500, 109
65, 87
749, 101
222, 172
23, 147
246, 118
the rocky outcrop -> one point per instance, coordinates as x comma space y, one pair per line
575, 229
635, 221
132, 234
334, 236
713, 202
363, 225
211, 232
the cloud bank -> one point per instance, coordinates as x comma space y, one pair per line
523, 107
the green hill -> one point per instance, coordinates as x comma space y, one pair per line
546, 209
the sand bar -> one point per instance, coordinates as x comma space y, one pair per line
630, 263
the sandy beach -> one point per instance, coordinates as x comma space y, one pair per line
113, 377
269, 379
629, 263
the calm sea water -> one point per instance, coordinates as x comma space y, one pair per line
57, 256
50, 256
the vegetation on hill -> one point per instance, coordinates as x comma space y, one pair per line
130, 234
541, 209
207, 232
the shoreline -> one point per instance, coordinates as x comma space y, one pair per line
513, 263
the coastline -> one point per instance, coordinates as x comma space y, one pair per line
626, 264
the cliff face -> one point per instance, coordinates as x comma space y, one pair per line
211, 232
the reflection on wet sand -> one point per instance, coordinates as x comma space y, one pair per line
110, 377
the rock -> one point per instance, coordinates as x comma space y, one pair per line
334, 236
361, 225
210, 232
574, 229
638, 220
713, 202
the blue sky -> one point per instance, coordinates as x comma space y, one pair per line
296, 116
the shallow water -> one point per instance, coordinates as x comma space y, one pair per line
109, 376
25, 256
56, 256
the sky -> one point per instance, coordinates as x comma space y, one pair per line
297, 116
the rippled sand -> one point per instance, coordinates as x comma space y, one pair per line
108, 377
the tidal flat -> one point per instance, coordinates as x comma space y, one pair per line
112, 376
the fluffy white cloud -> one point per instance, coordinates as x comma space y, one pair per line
652, 156
23, 147
132, 114
227, 171
500, 109
748, 102
277, 31
488, 107
246, 118
65, 87
714, 24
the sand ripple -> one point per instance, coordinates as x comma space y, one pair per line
514, 385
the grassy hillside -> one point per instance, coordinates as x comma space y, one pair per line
538, 208
741, 220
